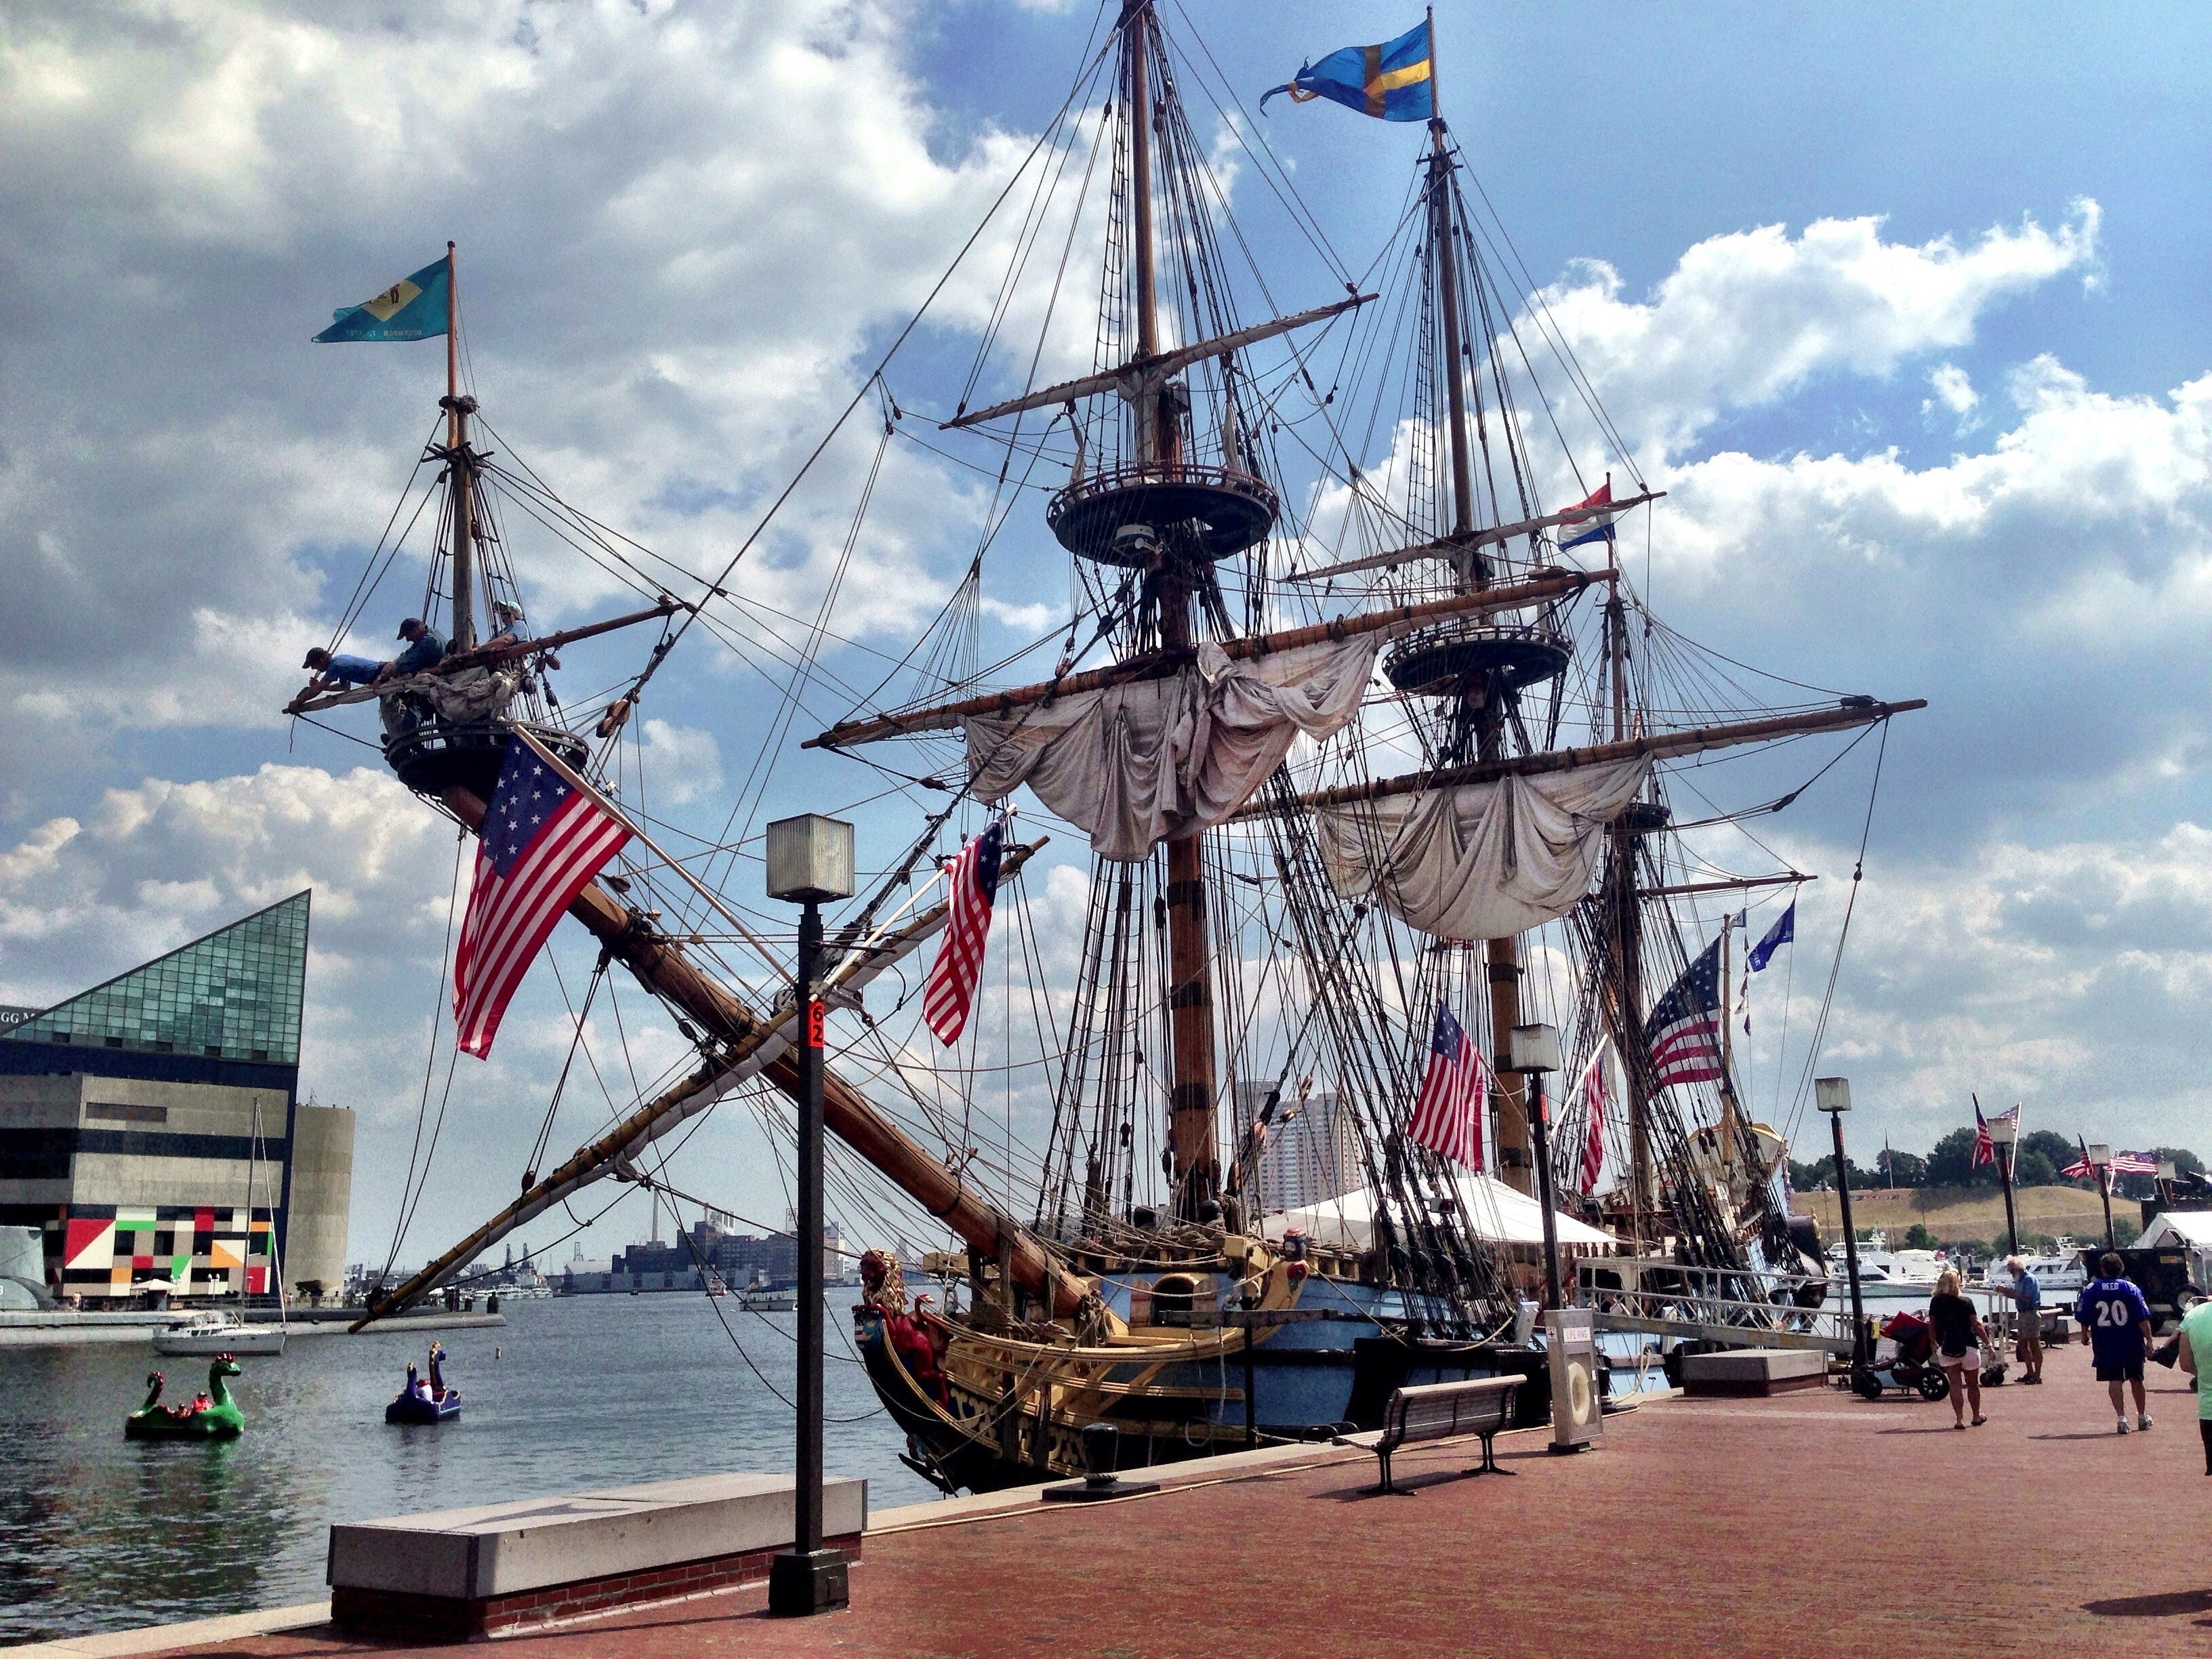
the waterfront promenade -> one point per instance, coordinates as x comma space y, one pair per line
1811, 1523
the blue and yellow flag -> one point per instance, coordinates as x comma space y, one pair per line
412, 308
1391, 81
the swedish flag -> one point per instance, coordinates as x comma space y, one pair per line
412, 308
1392, 81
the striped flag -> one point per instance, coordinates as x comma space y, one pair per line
2081, 1168
950, 990
1985, 1146
1448, 1112
2134, 1163
1591, 1090
1589, 519
1683, 1032
543, 841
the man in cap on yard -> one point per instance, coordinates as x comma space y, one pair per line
426, 648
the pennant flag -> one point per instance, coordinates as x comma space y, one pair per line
412, 308
543, 841
1683, 1032
1391, 82
1589, 519
1780, 934
1591, 1090
1448, 1112
950, 990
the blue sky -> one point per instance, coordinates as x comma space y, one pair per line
1932, 450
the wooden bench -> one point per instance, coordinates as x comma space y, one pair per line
1446, 1411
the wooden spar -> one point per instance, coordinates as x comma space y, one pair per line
1158, 664
1154, 368
677, 1105
1734, 885
461, 470
1450, 548
664, 970
1696, 740
482, 656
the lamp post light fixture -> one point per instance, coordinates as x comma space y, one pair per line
2003, 1132
1532, 1050
810, 861
2100, 1160
1832, 1095
2167, 1175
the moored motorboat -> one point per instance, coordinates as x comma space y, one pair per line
217, 1333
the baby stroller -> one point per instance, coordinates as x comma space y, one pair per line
1904, 1357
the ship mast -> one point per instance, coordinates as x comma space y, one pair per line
1193, 1170
1480, 706
1623, 936
460, 466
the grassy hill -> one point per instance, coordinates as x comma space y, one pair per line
1959, 1214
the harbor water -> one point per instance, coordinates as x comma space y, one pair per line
101, 1533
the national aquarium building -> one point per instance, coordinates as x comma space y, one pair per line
151, 1129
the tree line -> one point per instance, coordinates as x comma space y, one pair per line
2036, 1160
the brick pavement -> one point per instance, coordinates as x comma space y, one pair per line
1811, 1523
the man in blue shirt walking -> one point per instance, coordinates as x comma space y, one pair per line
2116, 1323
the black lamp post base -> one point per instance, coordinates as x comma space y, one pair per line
800, 1583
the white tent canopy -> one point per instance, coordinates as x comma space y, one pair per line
2190, 1229
1497, 1213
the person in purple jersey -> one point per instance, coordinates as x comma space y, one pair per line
2116, 1323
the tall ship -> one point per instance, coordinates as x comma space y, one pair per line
1373, 740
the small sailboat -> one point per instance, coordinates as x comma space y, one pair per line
425, 1401
213, 1333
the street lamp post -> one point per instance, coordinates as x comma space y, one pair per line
1534, 1050
810, 860
1832, 1095
2167, 1175
2100, 1160
2003, 1132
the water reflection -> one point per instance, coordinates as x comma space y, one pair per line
98, 1533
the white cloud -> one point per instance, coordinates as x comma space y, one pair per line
1746, 318
683, 762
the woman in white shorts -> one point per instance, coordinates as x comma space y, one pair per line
1958, 1334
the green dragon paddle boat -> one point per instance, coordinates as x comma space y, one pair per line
210, 1416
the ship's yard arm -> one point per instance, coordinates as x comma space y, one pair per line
757, 1048
1158, 664
1665, 746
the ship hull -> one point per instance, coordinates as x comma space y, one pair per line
1000, 1410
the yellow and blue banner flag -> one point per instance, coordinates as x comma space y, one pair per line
1391, 82
412, 308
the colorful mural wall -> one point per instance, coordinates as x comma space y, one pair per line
117, 1252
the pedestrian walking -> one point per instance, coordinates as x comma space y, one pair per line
1959, 1336
2196, 1339
2027, 1291
2116, 1323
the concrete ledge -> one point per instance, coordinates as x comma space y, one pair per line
455, 1575
193, 1633
1754, 1372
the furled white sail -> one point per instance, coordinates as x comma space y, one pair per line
1134, 765
1484, 860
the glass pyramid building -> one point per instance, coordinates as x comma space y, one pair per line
234, 994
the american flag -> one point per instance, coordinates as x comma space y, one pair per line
1985, 1147
2122, 1164
543, 841
1448, 1112
1591, 1090
1684, 1033
950, 990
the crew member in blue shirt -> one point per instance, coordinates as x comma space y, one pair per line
426, 649
334, 673
2116, 1323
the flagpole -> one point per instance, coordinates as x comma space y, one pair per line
569, 776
